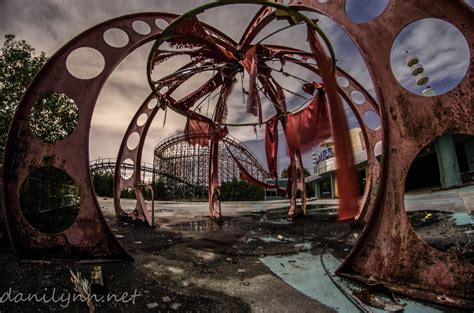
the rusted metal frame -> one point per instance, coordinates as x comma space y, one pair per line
296, 184
173, 82
185, 72
218, 38
264, 16
347, 180
296, 176
89, 237
388, 250
192, 33
161, 56
173, 28
226, 41
371, 137
353, 83
152, 193
141, 211
214, 190
296, 181
210, 86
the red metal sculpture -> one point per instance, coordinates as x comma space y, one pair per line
388, 251
210, 50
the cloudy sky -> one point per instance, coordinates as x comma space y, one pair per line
49, 24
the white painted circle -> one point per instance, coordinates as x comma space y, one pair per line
342, 81
358, 97
141, 120
141, 27
116, 38
85, 63
133, 141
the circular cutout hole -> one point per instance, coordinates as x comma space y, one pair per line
162, 24
436, 46
342, 81
153, 103
362, 11
85, 63
378, 149
116, 37
133, 140
127, 169
358, 97
372, 120
142, 119
53, 117
436, 183
128, 200
50, 200
141, 27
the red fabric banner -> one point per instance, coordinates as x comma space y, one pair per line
197, 132
346, 171
310, 126
271, 145
250, 63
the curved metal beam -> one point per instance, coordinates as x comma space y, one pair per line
389, 250
89, 237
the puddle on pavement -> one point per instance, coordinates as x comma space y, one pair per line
206, 225
295, 270
321, 207
279, 216
462, 219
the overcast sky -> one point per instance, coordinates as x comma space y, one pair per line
49, 24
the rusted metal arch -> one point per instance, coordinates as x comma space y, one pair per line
389, 250
89, 237
148, 110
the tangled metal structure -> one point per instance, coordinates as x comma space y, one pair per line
107, 167
184, 166
388, 252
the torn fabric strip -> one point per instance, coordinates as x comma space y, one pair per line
310, 126
346, 171
271, 145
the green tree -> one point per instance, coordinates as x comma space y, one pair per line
53, 117
103, 184
18, 66
240, 190
159, 189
